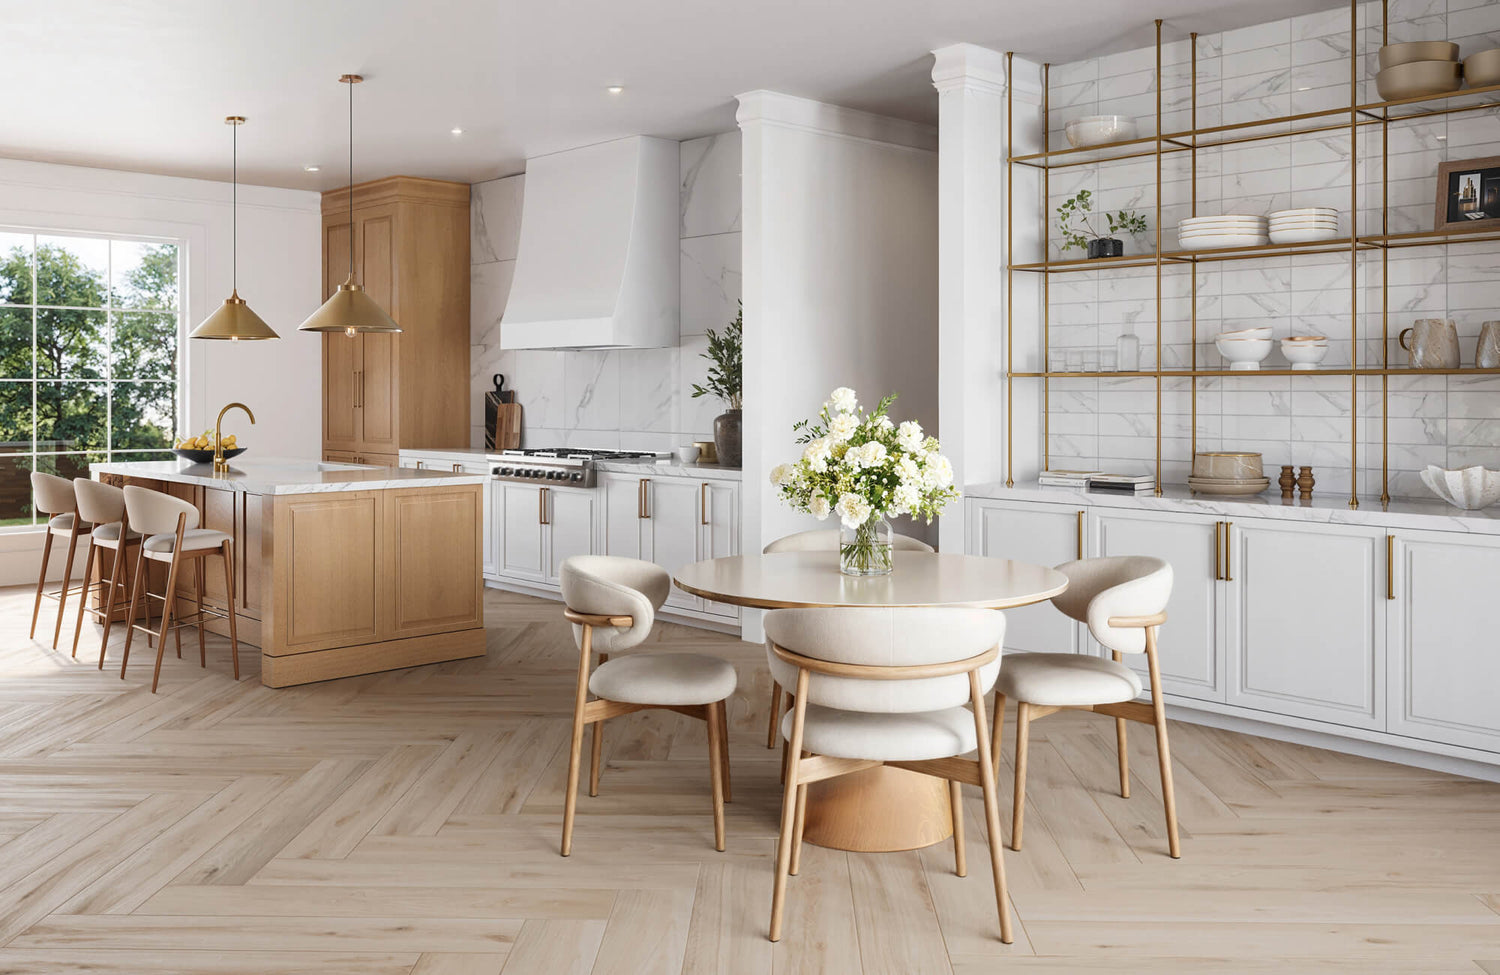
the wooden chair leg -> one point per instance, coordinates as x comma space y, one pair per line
991, 808
1023, 737
116, 580
1163, 750
997, 734
716, 771
135, 595
724, 747
83, 596
956, 799
41, 583
1122, 746
596, 751
575, 752
227, 549
166, 616
789, 703
775, 714
198, 596
67, 581
801, 823
788, 811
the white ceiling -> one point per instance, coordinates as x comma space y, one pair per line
144, 84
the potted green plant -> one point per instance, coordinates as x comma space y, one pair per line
1075, 221
726, 381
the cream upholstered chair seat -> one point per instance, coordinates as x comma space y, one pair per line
111, 533
1066, 679
673, 679
160, 547
61, 524
885, 737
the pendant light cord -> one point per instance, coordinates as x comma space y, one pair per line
351, 180
234, 209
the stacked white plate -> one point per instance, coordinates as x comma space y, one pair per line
1303, 225
1229, 230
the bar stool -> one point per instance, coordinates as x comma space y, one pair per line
172, 535
102, 505
53, 496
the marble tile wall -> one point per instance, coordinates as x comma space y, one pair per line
630, 398
1287, 66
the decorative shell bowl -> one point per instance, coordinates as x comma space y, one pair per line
1471, 488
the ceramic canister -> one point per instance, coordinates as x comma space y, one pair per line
1433, 344
1487, 353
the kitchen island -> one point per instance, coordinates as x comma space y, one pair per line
341, 569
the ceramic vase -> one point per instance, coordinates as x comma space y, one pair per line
728, 434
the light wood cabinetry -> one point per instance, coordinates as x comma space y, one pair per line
410, 243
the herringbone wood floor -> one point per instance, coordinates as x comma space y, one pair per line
408, 823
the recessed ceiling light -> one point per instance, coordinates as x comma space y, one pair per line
456, 130
311, 169
615, 89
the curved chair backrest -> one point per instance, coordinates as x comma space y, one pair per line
98, 503
155, 513
51, 494
607, 585
1114, 587
827, 540
886, 637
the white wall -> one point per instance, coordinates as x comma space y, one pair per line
638, 399
279, 275
840, 248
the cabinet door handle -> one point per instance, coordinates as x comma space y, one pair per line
1390, 567
703, 502
1228, 552
419, 465
1080, 535
359, 389
541, 506
457, 468
645, 497
1218, 553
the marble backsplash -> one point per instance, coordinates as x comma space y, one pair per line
628, 398
1295, 65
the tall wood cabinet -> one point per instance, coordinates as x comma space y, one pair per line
383, 392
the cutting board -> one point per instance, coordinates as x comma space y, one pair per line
502, 424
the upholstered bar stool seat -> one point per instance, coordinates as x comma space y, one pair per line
60, 524
161, 547
102, 506
885, 737
111, 533
1065, 680
54, 496
672, 679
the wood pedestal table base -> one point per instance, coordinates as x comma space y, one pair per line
879, 809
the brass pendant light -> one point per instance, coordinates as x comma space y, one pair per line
234, 320
350, 309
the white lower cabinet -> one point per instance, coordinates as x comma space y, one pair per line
1444, 663
520, 543
569, 530
1043, 534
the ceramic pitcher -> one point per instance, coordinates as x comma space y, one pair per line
1487, 353
1433, 344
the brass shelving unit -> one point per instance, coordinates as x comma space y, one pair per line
1351, 118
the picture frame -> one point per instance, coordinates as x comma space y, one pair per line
1468, 196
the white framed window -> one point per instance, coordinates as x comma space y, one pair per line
91, 355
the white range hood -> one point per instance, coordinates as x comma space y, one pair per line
597, 264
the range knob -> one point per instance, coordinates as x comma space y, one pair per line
557, 475
503, 471
576, 476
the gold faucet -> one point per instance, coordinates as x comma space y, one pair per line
221, 466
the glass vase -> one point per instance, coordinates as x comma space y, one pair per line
866, 550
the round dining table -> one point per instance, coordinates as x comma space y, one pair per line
880, 809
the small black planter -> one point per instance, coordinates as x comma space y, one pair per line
1106, 247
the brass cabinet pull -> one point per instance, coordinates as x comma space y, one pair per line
419, 465
1218, 552
1390, 567
645, 497
541, 506
1080, 534
1228, 553
703, 502
458, 468
359, 388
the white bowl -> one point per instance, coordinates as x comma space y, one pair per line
1254, 332
1244, 355
1227, 218
1299, 224
1303, 236
1332, 212
687, 453
1471, 488
1304, 355
1099, 130
1213, 241
1240, 228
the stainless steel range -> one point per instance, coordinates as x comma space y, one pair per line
568, 466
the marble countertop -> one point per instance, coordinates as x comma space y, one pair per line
469, 453
669, 468
1434, 515
283, 475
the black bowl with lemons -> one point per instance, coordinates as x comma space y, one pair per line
198, 450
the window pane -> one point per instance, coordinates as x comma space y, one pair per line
70, 416
15, 417
15, 268
145, 415
71, 344
15, 491
145, 274
72, 271
131, 456
68, 465
15, 343
145, 345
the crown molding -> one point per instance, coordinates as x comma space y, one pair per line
790, 111
398, 189
969, 67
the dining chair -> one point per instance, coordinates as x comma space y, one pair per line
818, 540
886, 686
103, 506
1123, 599
53, 496
172, 535
612, 604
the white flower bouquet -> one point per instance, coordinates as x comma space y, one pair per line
865, 468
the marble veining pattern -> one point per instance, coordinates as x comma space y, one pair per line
288, 476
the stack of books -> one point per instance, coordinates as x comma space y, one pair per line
1100, 481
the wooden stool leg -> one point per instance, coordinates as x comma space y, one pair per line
67, 580
724, 747
991, 808
83, 597
116, 574
775, 714
956, 798
788, 811
997, 734
1023, 737
41, 583
135, 595
166, 616
198, 596
716, 771
234, 632
1163, 750
575, 751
